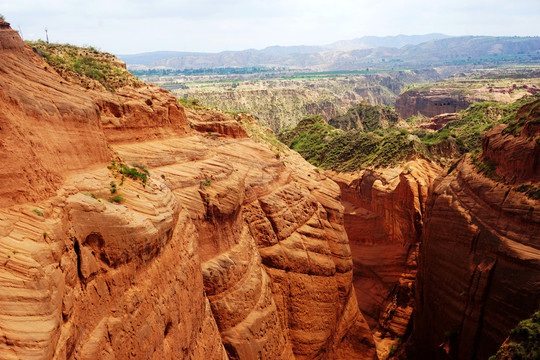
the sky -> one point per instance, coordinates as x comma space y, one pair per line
136, 26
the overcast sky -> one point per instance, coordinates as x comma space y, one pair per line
134, 26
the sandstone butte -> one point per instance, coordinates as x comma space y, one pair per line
231, 251
225, 252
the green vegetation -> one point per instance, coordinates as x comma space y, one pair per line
366, 118
329, 148
532, 192
116, 198
516, 122
191, 103
207, 182
523, 342
113, 187
133, 173
2, 17
83, 63
206, 71
130, 172
475, 122
39, 212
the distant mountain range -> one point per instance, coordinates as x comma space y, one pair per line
368, 51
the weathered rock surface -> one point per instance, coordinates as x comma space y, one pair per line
439, 121
479, 269
225, 252
384, 216
437, 101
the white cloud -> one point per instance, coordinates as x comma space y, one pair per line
130, 26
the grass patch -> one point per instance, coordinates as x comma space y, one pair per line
138, 172
522, 110
475, 121
191, 103
77, 62
117, 198
39, 212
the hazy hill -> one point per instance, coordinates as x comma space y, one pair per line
365, 42
455, 50
148, 58
397, 41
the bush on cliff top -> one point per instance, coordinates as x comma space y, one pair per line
523, 342
73, 62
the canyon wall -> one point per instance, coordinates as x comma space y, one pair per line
479, 269
186, 245
452, 97
384, 217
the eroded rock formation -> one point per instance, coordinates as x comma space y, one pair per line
384, 216
516, 157
479, 269
448, 99
225, 251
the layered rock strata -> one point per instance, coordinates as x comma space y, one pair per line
479, 269
224, 252
384, 217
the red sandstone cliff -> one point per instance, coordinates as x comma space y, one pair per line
516, 157
479, 269
225, 252
436, 101
384, 217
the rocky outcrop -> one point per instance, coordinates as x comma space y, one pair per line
516, 156
384, 216
210, 121
452, 98
40, 116
435, 102
479, 267
439, 121
225, 251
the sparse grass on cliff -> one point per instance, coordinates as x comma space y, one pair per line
80, 64
131, 172
191, 103
523, 342
516, 119
532, 192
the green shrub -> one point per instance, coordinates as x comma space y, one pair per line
39, 212
207, 182
113, 187
133, 173
523, 342
116, 198
191, 103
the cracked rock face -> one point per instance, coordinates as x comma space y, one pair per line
225, 252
